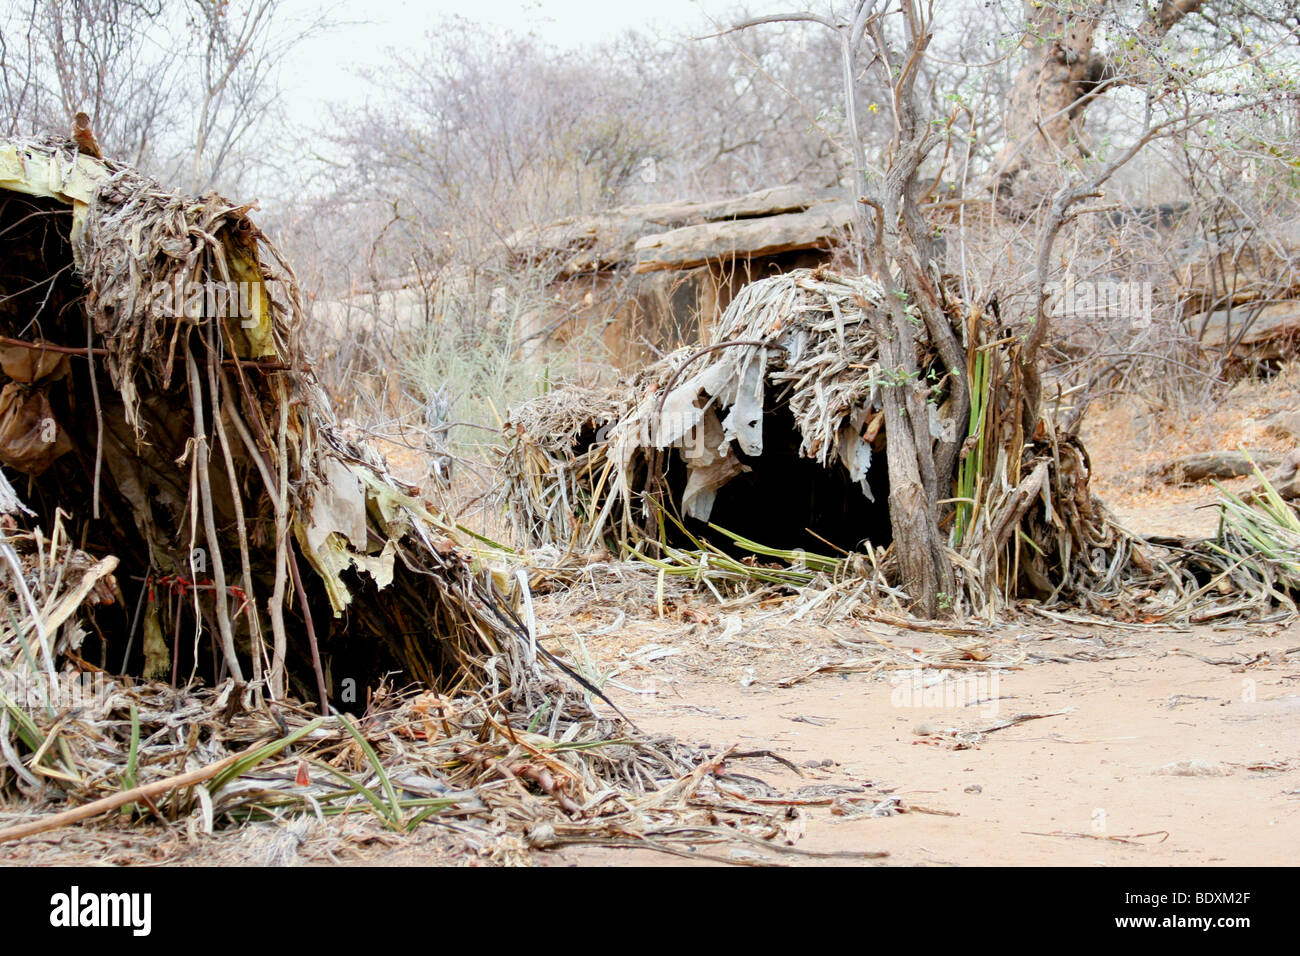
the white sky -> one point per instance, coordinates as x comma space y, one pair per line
322, 69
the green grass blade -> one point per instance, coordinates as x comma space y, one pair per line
373, 758
249, 761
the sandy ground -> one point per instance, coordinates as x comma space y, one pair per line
1150, 747
1154, 757
1126, 439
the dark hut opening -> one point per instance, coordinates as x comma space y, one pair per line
40, 299
789, 502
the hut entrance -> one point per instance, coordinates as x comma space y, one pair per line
48, 423
787, 501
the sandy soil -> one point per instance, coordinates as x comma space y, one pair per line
1158, 759
1153, 747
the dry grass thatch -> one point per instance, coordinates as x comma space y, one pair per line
779, 409
587, 464
190, 440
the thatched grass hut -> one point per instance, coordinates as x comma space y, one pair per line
772, 432
158, 409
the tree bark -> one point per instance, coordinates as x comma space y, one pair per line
1044, 114
1060, 77
900, 250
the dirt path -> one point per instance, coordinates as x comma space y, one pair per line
1204, 756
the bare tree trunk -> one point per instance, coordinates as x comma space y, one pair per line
1061, 76
924, 570
920, 469
1044, 114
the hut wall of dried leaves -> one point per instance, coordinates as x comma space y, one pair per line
185, 526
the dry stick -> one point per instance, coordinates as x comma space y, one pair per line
311, 631
1124, 838
74, 350
81, 352
135, 618
275, 676
1021, 500
280, 497
145, 792
218, 421
209, 520
215, 330
99, 416
194, 530
281, 557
